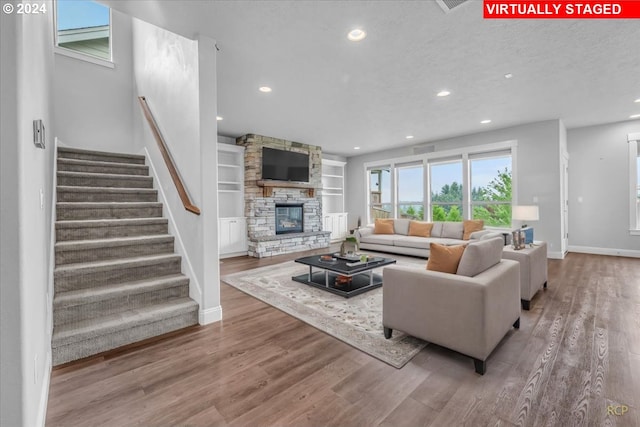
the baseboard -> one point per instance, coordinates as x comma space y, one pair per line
210, 315
44, 393
555, 255
233, 254
605, 251
186, 262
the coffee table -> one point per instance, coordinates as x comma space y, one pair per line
354, 278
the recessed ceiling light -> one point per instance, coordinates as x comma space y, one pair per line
218, 118
508, 76
356, 148
484, 122
635, 116
356, 35
637, 100
409, 136
265, 89
443, 93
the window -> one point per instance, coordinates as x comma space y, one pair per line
476, 182
491, 189
83, 28
380, 205
411, 191
446, 191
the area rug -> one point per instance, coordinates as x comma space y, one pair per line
357, 320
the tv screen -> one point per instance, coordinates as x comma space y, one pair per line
283, 165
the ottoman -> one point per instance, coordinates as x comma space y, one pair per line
533, 269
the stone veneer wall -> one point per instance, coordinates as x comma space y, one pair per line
260, 210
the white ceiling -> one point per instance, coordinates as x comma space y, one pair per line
338, 94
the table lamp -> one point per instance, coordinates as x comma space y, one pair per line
525, 234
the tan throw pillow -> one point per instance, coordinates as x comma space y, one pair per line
470, 226
444, 258
420, 228
383, 226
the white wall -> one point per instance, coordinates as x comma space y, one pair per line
598, 189
93, 103
169, 71
538, 173
25, 330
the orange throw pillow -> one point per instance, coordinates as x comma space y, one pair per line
420, 228
383, 226
471, 226
444, 258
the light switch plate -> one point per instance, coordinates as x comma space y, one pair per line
38, 133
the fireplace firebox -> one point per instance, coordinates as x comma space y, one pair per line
289, 219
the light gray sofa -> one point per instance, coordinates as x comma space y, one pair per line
469, 312
445, 233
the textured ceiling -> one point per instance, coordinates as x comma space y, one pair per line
331, 92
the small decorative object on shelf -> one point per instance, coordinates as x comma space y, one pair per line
349, 246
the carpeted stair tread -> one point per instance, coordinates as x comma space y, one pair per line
111, 243
87, 229
106, 210
76, 153
81, 194
92, 223
75, 332
84, 304
93, 179
83, 251
120, 262
90, 295
95, 166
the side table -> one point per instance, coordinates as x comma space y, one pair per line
533, 269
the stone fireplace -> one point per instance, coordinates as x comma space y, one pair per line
282, 217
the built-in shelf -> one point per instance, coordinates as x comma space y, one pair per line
222, 165
335, 219
232, 227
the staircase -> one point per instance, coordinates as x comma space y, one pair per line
117, 280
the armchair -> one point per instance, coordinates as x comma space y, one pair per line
466, 314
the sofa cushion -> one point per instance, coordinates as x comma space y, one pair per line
379, 239
420, 228
412, 242
445, 258
436, 231
452, 230
480, 256
471, 225
383, 226
401, 226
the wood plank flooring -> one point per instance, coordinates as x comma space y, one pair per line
575, 357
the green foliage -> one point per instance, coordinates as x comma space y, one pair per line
454, 214
438, 213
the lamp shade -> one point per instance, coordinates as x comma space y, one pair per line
525, 213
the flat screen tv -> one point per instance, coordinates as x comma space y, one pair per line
283, 165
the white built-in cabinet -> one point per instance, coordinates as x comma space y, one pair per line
333, 204
232, 224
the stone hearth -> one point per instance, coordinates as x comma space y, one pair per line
260, 210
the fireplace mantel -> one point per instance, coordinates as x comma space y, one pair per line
268, 186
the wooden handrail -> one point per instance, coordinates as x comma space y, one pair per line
184, 196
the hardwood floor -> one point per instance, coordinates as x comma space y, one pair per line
575, 357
